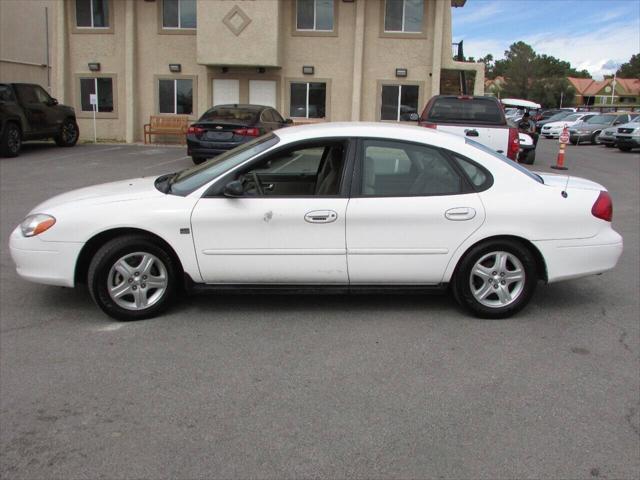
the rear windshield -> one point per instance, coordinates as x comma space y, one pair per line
460, 110
229, 114
504, 159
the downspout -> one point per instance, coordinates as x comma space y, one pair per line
358, 57
129, 71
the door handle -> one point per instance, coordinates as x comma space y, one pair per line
460, 213
321, 216
471, 133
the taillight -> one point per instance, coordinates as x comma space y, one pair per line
195, 130
603, 208
247, 132
428, 125
514, 144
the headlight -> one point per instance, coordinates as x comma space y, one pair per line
36, 224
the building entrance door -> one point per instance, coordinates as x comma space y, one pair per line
262, 92
225, 91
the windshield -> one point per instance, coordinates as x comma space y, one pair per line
557, 116
574, 117
193, 178
504, 159
465, 110
601, 119
229, 113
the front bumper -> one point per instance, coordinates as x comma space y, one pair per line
631, 142
607, 139
51, 263
567, 259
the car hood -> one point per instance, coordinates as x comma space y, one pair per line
556, 180
560, 124
121, 191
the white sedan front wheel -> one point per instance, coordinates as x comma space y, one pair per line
132, 278
496, 279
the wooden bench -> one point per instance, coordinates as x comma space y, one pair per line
167, 125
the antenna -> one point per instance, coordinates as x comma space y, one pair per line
564, 190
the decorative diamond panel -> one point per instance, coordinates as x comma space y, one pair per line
236, 20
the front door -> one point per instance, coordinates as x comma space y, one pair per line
410, 211
288, 226
262, 92
225, 91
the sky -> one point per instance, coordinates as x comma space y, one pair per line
596, 35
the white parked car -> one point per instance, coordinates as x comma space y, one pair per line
554, 129
336, 206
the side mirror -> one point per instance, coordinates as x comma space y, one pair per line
53, 102
234, 189
288, 121
414, 117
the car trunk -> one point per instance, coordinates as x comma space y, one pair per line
222, 131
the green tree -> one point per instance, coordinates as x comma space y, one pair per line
520, 69
631, 69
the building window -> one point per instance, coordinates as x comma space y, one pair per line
403, 16
103, 87
175, 96
308, 100
92, 13
179, 14
314, 15
399, 102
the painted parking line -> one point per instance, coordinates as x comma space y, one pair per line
166, 163
77, 154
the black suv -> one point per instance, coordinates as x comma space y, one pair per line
28, 112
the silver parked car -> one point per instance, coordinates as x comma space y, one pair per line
590, 130
608, 135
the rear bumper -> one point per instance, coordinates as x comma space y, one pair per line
198, 148
567, 259
51, 263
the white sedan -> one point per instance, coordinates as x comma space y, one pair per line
554, 129
339, 207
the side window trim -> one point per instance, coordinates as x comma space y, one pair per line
215, 190
356, 181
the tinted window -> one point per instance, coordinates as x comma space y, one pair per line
301, 161
398, 169
6, 94
267, 116
403, 15
229, 114
477, 175
92, 13
179, 14
314, 15
277, 117
455, 110
26, 93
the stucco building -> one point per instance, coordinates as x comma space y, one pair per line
313, 60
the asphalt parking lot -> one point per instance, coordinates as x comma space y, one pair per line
316, 386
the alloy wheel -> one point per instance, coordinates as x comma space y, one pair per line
497, 279
137, 281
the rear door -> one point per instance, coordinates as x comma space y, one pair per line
410, 210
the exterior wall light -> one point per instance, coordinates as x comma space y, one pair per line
175, 67
401, 72
94, 66
308, 70
261, 69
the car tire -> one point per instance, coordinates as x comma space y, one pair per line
595, 140
574, 142
69, 134
198, 160
608, 145
120, 274
530, 157
11, 141
625, 149
486, 295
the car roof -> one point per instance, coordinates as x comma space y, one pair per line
244, 106
370, 129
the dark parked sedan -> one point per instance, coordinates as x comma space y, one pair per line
224, 127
